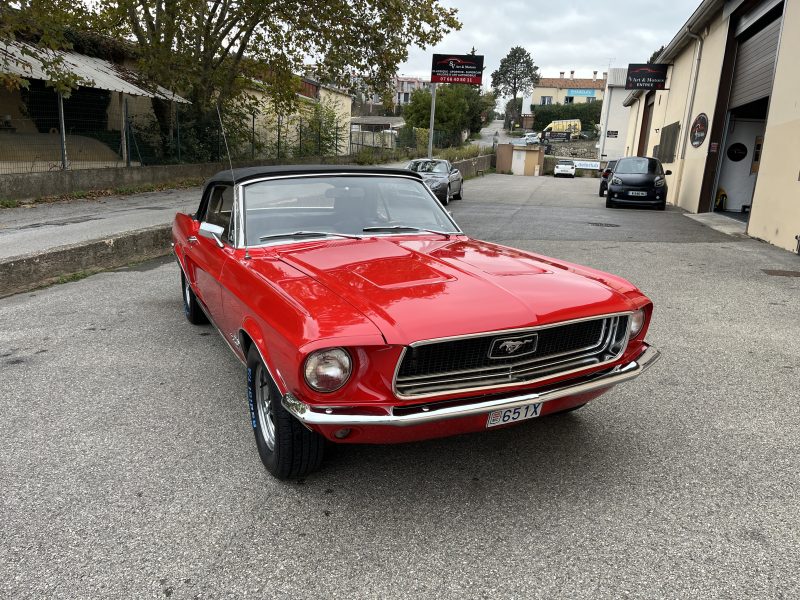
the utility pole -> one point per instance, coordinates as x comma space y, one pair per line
430, 127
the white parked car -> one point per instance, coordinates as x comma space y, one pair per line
564, 168
532, 138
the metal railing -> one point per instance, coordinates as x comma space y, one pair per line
43, 132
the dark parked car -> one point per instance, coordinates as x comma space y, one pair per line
638, 180
604, 175
444, 179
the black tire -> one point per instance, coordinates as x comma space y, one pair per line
446, 200
287, 449
460, 194
609, 203
191, 306
662, 206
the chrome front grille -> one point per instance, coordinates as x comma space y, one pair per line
504, 358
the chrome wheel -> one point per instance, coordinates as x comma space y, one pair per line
264, 403
187, 292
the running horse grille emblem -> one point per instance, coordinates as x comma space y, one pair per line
514, 346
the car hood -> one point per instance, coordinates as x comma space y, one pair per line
434, 176
416, 288
635, 179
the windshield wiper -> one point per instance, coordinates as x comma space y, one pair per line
406, 228
302, 234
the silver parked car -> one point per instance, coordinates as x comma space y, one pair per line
444, 180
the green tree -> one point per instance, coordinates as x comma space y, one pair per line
588, 113
210, 51
43, 25
516, 75
458, 108
654, 55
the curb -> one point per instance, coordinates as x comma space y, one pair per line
28, 272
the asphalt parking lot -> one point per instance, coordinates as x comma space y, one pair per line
128, 467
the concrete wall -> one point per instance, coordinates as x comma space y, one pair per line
470, 166
20, 186
776, 204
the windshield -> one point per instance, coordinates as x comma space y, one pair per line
278, 210
428, 166
635, 166
568, 163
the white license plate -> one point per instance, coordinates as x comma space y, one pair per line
637, 193
511, 415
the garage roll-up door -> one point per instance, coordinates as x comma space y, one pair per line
755, 64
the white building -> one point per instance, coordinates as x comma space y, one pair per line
615, 117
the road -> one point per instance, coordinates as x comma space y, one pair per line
128, 467
488, 132
39, 227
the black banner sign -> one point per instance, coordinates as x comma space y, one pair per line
457, 68
558, 136
646, 77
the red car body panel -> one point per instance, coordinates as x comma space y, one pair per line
375, 296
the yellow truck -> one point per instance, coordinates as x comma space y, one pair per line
562, 126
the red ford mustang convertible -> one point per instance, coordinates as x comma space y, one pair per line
365, 315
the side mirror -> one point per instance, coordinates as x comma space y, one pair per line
667, 172
212, 232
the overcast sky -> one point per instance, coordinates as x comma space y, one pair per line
561, 35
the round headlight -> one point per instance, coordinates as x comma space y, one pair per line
328, 370
637, 322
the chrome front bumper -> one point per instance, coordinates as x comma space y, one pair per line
338, 415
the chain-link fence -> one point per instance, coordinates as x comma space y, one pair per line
31, 138
102, 129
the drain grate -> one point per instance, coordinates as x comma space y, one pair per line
603, 225
781, 273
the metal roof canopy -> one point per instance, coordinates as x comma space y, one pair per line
100, 73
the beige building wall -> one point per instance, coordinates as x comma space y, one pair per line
776, 204
671, 105
559, 95
690, 175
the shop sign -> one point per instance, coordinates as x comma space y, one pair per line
699, 130
587, 164
646, 77
580, 92
611, 133
457, 68
558, 136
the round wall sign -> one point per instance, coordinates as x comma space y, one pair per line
699, 130
737, 151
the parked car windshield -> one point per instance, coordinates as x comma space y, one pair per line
636, 166
567, 163
428, 166
345, 204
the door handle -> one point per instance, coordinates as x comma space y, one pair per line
191, 239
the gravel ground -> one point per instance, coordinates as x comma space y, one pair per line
128, 468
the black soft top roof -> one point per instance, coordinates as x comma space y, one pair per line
247, 173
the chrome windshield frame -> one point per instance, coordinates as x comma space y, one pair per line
240, 196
